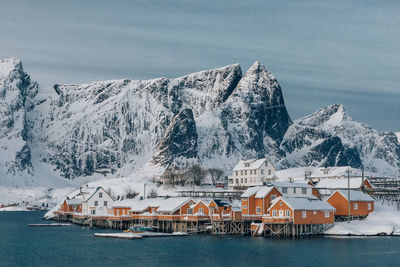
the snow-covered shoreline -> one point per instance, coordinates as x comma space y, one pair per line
384, 221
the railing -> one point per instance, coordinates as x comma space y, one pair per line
267, 219
194, 218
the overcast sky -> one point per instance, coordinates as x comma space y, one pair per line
322, 53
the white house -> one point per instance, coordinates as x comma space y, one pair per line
98, 203
294, 189
252, 173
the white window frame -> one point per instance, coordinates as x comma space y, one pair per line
96, 203
304, 191
287, 213
273, 196
327, 214
190, 210
100, 194
258, 210
284, 190
355, 206
201, 210
274, 213
304, 214
244, 207
105, 203
369, 206
314, 212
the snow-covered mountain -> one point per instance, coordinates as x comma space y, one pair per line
213, 117
16, 95
330, 137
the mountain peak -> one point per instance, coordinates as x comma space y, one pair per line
327, 117
8, 65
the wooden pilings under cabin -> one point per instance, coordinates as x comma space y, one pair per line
220, 227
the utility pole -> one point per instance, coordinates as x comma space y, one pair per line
348, 194
362, 180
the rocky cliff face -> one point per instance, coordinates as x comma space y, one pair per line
339, 141
213, 117
16, 95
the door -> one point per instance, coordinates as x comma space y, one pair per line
280, 213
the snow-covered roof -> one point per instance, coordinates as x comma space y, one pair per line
251, 191
355, 195
340, 183
137, 205
74, 201
289, 184
318, 172
206, 201
172, 204
264, 191
253, 164
302, 203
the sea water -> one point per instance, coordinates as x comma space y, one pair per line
21, 245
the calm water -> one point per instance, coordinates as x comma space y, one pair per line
23, 246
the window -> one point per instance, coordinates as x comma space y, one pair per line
100, 195
244, 207
255, 171
258, 210
266, 164
274, 213
105, 203
241, 180
280, 203
369, 206
304, 214
294, 190
237, 181
251, 172
93, 212
262, 171
236, 173
355, 206
241, 172
245, 180
314, 212
287, 213
327, 214
304, 191
190, 211
269, 172
201, 210
284, 190
245, 172
247, 164
273, 197
96, 203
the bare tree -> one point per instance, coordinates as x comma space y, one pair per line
196, 174
152, 193
216, 175
130, 193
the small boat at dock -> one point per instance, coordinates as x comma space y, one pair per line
131, 235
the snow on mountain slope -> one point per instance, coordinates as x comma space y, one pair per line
343, 142
137, 128
16, 94
115, 127
398, 136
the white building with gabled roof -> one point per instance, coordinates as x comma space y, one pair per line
252, 172
98, 203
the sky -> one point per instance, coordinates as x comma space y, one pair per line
322, 52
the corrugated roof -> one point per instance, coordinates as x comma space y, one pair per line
356, 195
340, 183
302, 203
263, 191
251, 191
172, 204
